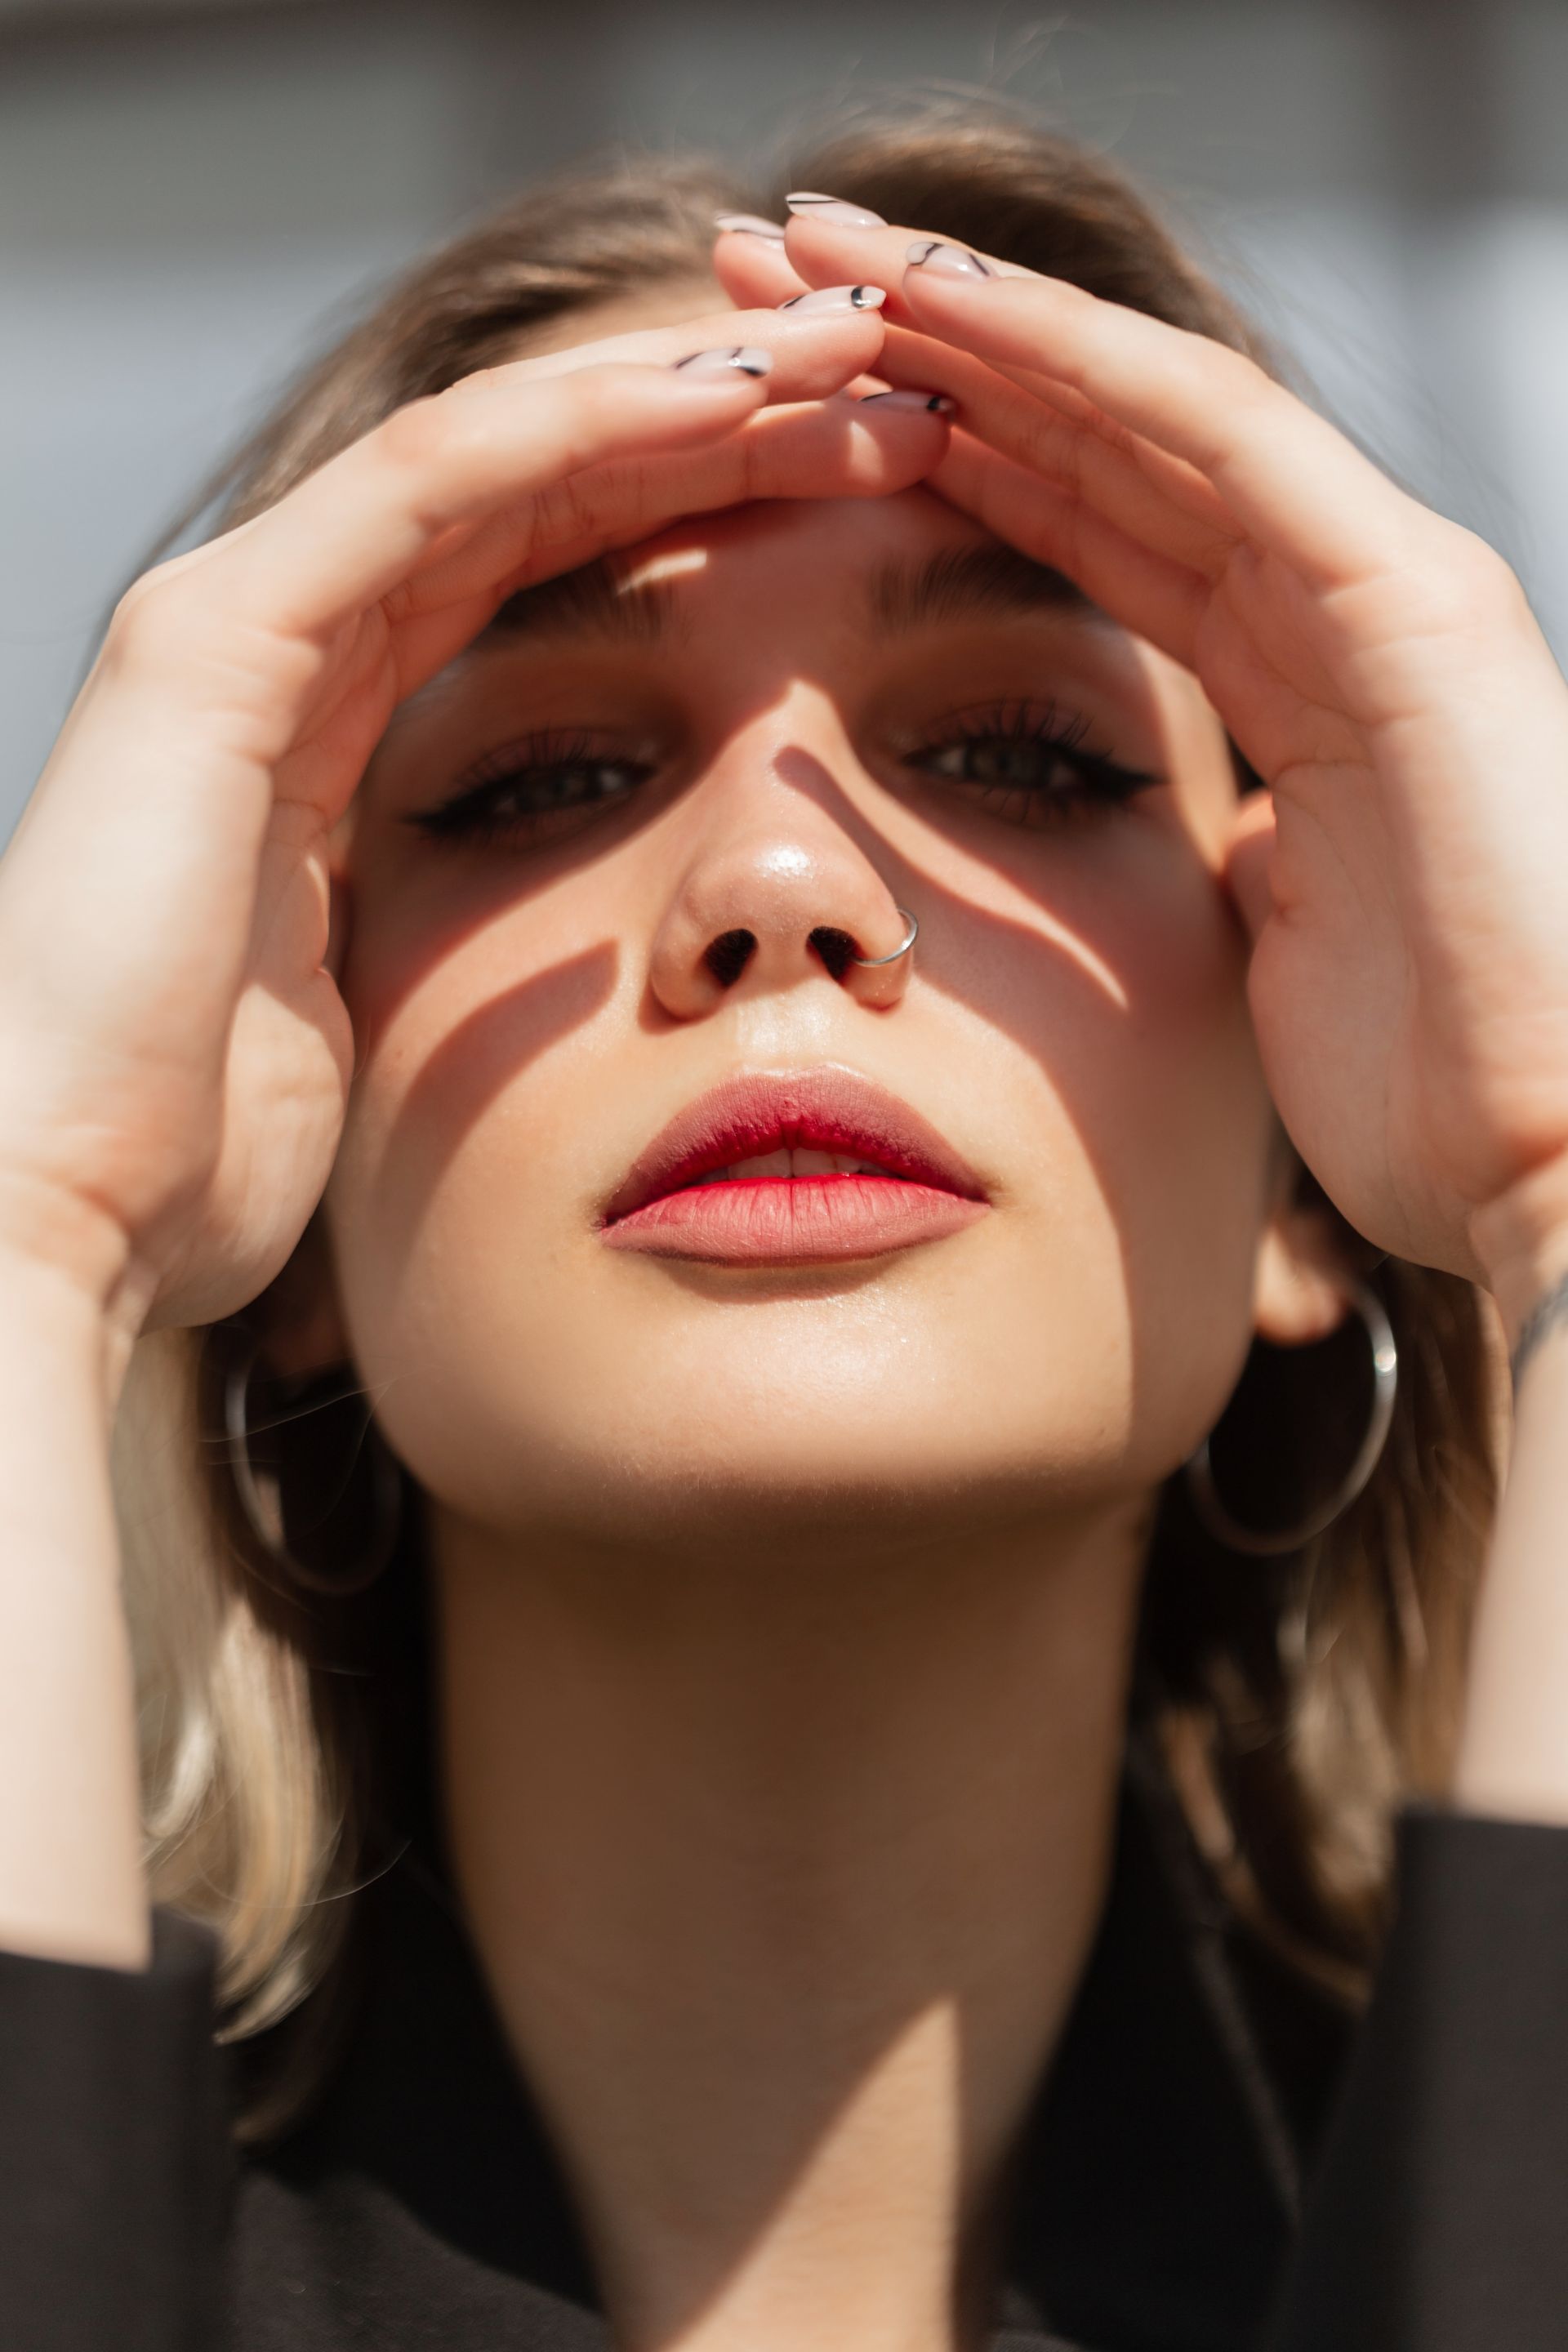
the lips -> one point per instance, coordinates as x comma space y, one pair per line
792, 1169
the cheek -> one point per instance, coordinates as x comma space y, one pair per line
1084, 1036
482, 1036
1132, 1011
1188, 1168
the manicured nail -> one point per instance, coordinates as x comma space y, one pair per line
749, 225
947, 260
834, 209
749, 357
905, 396
837, 298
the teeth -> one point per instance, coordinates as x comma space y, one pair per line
794, 1160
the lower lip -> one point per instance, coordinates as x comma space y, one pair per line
792, 1220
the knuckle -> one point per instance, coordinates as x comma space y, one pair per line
569, 507
410, 436
477, 383
466, 423
1467, 584
1489, 578
1248, 405
591, 401
1238, 375
151, 614
583, 498
1054, 448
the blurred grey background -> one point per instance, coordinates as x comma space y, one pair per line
192, 197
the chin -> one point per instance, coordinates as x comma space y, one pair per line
763, 1411
800, 1472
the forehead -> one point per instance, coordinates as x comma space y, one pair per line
878, 567
854, 543
834, 543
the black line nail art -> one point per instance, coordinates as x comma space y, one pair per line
905, 396
946, 261
749, 359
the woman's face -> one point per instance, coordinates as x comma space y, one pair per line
785, 720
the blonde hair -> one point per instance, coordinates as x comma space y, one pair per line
1295, 1704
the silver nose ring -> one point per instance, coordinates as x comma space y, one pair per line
905, 944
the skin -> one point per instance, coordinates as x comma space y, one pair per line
856, 1572
531, 1011
783, 1688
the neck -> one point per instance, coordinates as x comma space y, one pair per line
782, 1872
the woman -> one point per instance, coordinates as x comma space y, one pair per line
668, 902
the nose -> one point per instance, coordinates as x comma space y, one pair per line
775, 892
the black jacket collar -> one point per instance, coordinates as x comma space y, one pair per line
1156, 2181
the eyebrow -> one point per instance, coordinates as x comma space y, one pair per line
591, 601
960, 582
957, 583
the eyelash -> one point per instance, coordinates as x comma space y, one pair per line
469, 814
1099, 782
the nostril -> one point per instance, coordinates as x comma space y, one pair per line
729, 955
834, 947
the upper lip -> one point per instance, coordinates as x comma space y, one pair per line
825, 1109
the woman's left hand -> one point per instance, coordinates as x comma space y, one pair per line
1378, 665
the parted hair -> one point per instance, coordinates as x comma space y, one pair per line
1296, 1701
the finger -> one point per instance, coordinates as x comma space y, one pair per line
842, 447
218, 670
1118, 480
815, 352
820, 238
1177, 480
1286, 477
838, 449
818, 246
353, 533
361, 524
1146, 593
753, 267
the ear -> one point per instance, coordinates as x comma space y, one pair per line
299, 1313
1301, 1282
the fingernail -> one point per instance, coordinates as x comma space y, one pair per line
837, 298
834, 209
749, 225
749, 359
947, 260
938, 404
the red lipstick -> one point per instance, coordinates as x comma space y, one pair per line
850, 1171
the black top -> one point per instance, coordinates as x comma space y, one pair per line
1154, 2202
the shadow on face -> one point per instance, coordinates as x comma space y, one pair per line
597, 868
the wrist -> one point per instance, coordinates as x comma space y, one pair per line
44, 1303
75, 1261
1520, 1240
71, 1881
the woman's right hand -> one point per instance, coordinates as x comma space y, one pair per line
174, 1057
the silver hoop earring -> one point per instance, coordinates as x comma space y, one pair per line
905, 944
386, 1494
1199, 1472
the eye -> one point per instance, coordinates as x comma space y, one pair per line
1026, 763
537, 790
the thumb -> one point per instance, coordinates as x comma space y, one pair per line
1246, 862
